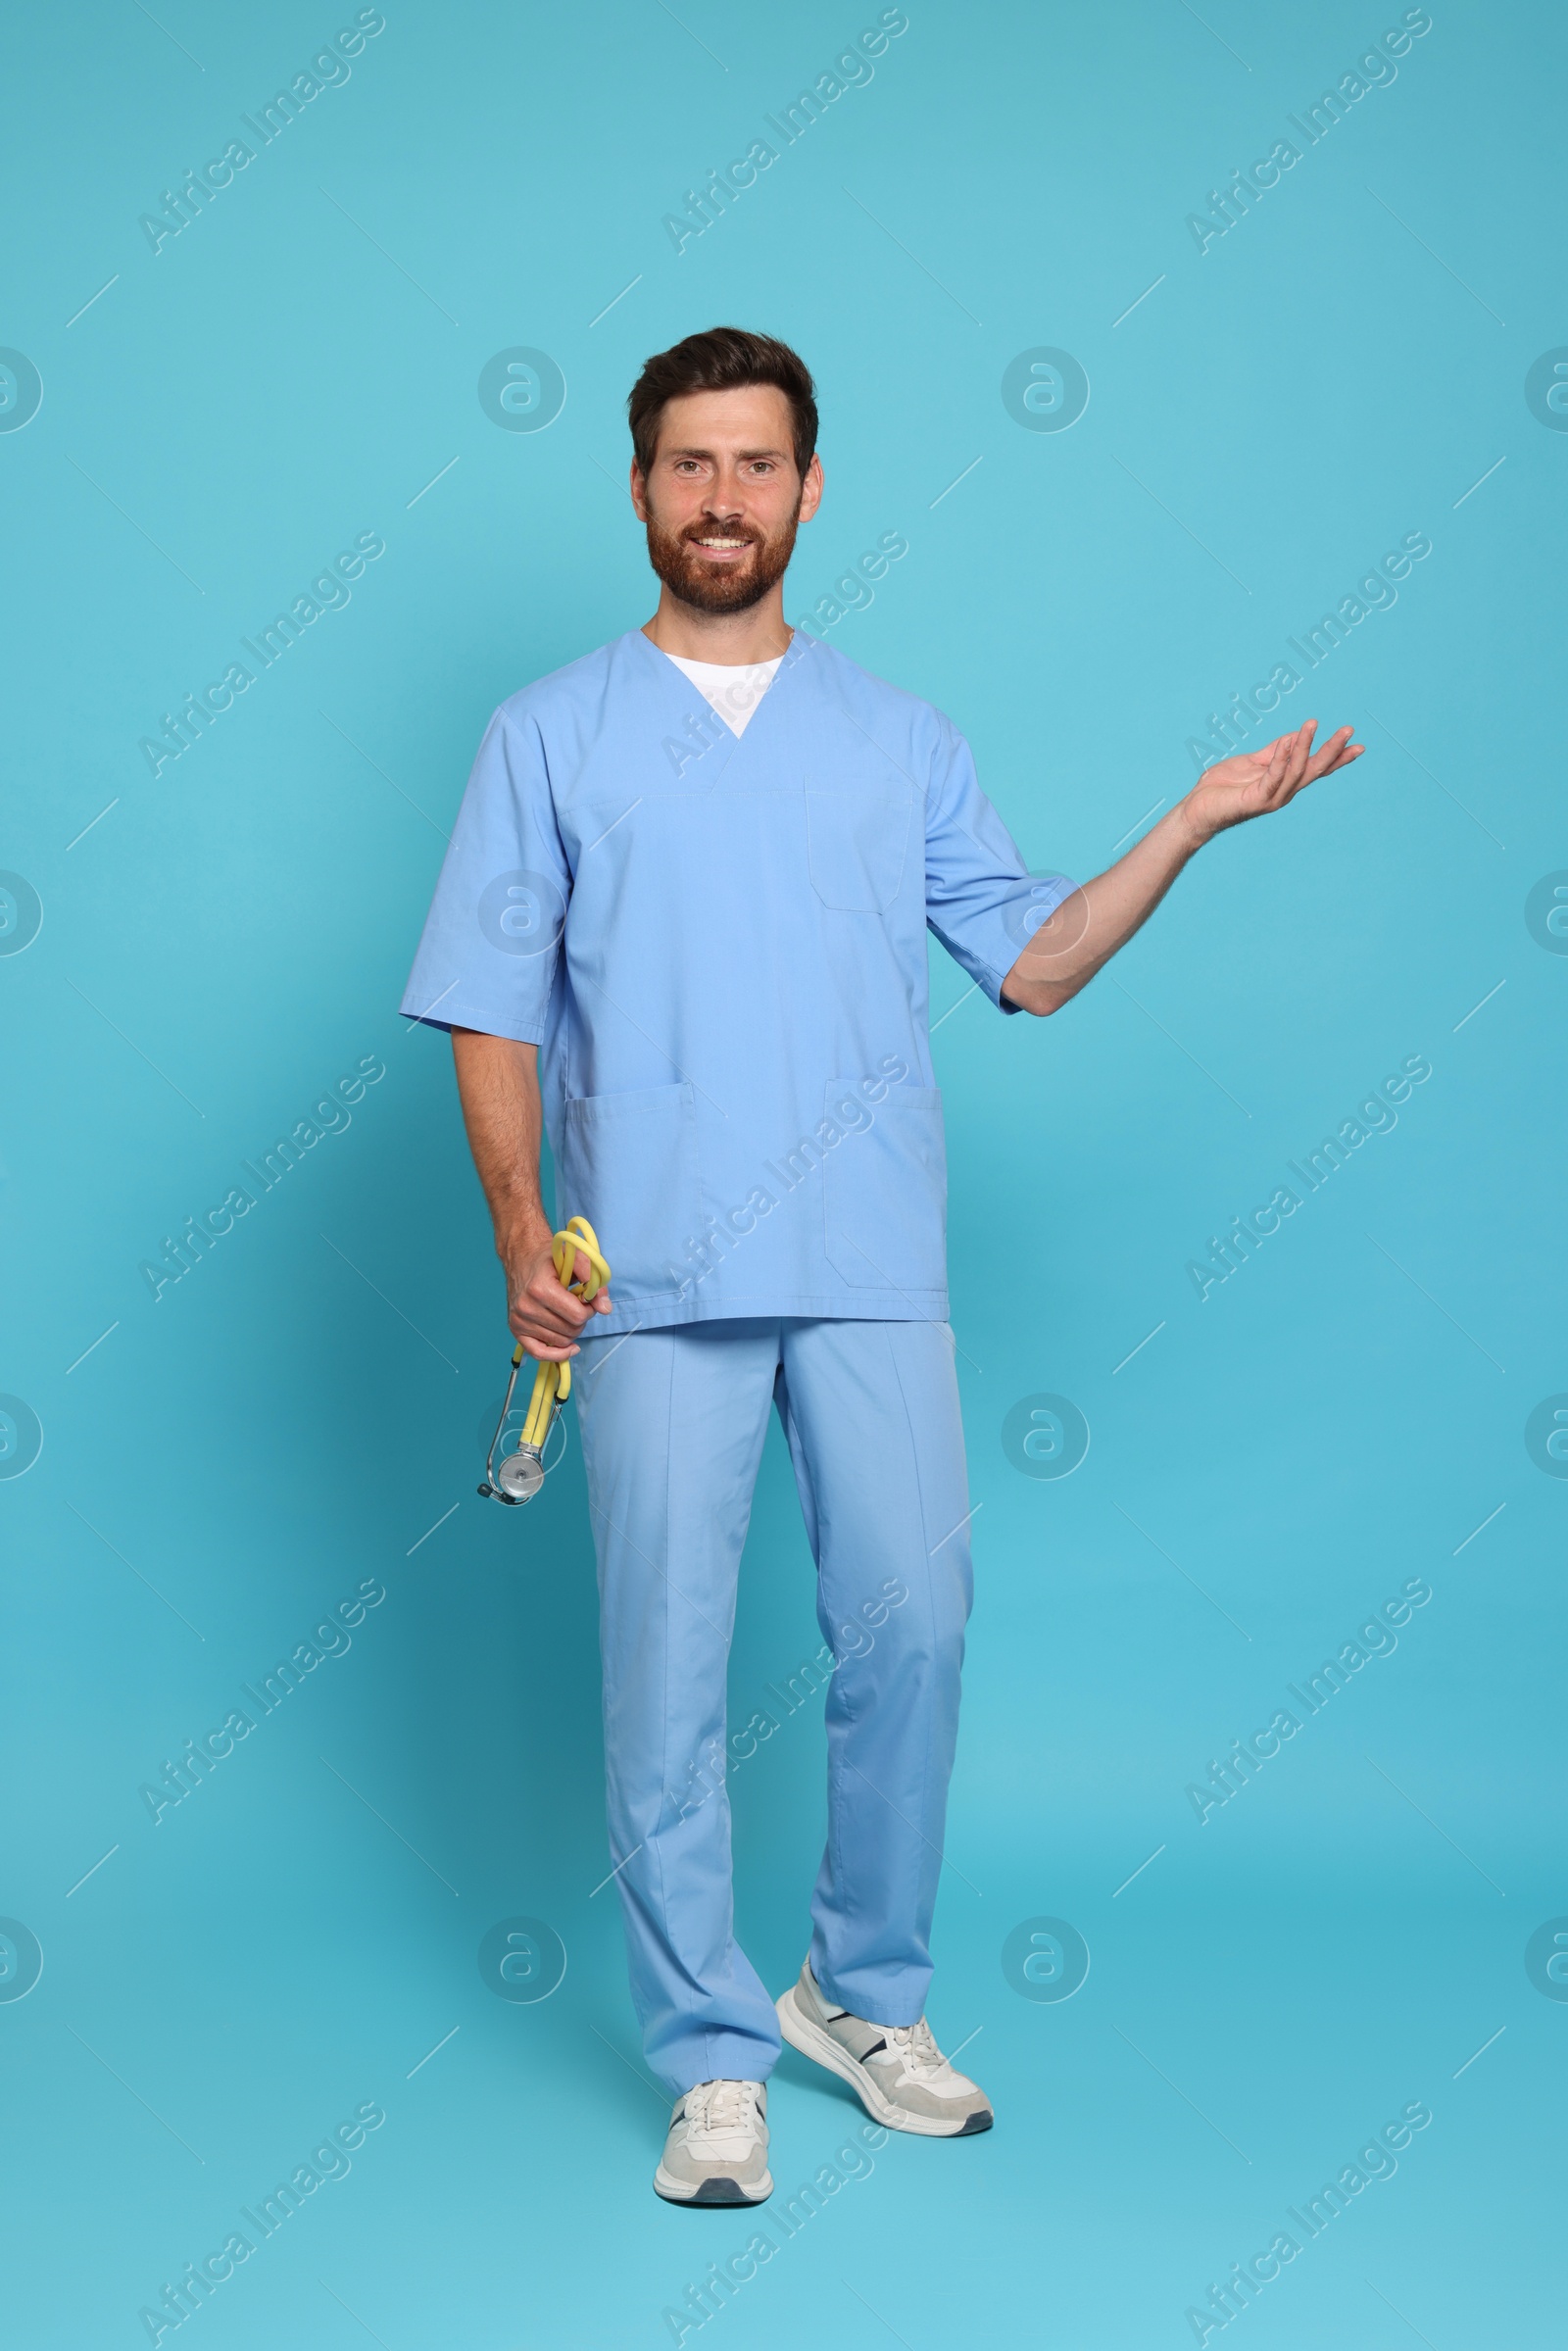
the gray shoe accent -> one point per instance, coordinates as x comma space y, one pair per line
897, 2071
716, 2150
851, 2033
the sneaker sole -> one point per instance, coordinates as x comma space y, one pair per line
720, 2191
811, 2042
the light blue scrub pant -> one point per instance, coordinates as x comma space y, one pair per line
672, 1424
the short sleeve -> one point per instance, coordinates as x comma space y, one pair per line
487, 959
981, 899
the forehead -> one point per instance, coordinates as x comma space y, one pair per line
751, 419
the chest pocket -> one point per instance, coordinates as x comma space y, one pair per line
857, 841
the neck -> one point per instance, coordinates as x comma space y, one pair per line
760, 634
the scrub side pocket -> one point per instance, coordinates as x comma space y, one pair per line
628, 1163
885, 1190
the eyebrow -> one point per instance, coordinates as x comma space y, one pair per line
740, 452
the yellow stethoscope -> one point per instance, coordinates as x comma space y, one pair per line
522, 1473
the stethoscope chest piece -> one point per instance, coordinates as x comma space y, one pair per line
522, 1471
520, 1475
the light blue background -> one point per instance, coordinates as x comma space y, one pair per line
1338, 369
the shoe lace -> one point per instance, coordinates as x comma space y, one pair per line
722, 2106
915, 2045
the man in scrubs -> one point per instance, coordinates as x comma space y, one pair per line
681, 930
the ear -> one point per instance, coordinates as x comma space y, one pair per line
811, 489
639, 492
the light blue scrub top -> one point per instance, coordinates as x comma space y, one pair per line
718, 946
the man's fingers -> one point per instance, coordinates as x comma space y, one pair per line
528, 1324
1303, 752
1281, 769
1277, 779
1306, 765
556, 1330
1302, 770
547, 1317
548, 1308
1335, 752
1331, 755
538, 1352
542, 1313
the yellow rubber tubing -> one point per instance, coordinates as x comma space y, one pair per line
553, 1381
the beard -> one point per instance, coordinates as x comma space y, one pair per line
694, 578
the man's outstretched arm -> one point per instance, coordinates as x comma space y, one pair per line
1090, 925
498, 1081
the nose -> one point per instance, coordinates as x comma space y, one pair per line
725, 497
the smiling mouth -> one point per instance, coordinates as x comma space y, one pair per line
717, 546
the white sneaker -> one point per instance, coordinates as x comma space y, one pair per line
716, 2151
897, 2071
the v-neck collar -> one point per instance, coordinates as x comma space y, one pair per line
790, 659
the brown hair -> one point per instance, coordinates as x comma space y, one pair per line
720, 360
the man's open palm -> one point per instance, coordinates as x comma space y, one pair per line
1254, 783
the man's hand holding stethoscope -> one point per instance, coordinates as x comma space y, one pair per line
540, 1312
555, 1286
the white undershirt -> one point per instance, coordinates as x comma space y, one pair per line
732, 689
